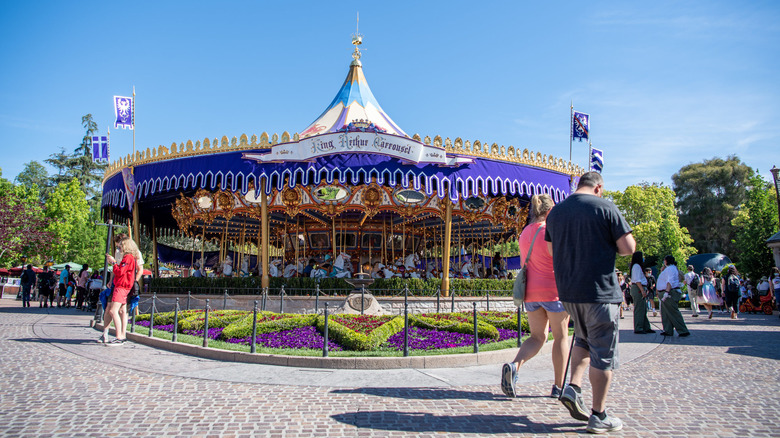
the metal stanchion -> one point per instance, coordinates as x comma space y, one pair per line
264, 297
281, 300
206, 326
253, 342
438, 300
452, 310
175, 320
317, 297
151, 319
476, 335
325, 343
132, 324
519, 327
406, 329
224, 300
362, 298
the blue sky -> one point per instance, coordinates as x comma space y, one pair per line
667, 83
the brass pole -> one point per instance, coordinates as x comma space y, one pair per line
445, 257
265, 281
155, 267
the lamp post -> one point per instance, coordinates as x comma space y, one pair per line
775, 171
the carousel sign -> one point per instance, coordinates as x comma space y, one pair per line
403, 148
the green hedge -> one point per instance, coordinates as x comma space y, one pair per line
484, 330
217, 319
307, 286
243, 328
353, 340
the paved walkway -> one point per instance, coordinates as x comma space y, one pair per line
56, 381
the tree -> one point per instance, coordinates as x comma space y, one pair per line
756, 222
708, 195
72, 223
22, 224
59, 161
34, 174
650, 210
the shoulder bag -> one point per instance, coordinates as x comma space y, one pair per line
518, 288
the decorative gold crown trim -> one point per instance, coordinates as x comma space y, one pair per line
458, 146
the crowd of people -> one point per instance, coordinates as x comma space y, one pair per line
69, 288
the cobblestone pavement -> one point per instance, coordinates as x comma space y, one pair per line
721, 381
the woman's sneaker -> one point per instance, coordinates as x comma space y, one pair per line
573, 402
508, 379
608, 424
115, 342
102, 339
556, 392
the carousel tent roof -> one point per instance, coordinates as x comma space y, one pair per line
354, 101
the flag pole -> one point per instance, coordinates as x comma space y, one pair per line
590, 153
571, 126
133, 121
108, 148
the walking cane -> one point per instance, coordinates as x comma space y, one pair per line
568, 361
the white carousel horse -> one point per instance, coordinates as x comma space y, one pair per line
244, 267
410, 263
290, 270
273, 268
376, 271
466, 269
342, 268
227, 267
389, 272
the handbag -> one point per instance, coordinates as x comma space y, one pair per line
518, 288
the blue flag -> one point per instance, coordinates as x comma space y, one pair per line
580, 126
100, 148
124, 110
596, 160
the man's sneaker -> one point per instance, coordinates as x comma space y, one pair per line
609, 424
115, 342
573, 402
508, 379
556, 392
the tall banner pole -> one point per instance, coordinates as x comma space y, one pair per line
571, 126
136, 215
590, 152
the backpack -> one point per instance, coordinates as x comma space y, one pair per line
694, 282
732, 284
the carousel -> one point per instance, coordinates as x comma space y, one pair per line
352, 192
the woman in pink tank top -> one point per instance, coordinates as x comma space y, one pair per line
541, 302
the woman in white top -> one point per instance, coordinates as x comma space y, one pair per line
639, 294
669, 291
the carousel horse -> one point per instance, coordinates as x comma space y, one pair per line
342, 268
226, 267
376, 271
290, 270
273, 268
431, 271
466, 269
244, 267
387, 272
410, 263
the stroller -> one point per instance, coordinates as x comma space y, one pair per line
94, 287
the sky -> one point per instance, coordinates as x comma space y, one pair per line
666, 83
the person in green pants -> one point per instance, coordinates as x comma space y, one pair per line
639, 294
669, 292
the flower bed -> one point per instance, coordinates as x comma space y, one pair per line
345, 332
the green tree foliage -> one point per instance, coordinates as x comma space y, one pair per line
80, 165
22, 225
34, 174
756, 222
708, 195
651, 212
72, 223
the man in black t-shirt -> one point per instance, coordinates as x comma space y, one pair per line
584, 234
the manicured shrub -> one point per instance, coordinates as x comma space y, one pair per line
353, 340
267, 322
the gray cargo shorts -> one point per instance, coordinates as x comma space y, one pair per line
596, 330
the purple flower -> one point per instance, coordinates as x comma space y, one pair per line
214, 333
426, 339
304, 337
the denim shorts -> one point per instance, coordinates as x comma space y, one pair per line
596, 330
550, 306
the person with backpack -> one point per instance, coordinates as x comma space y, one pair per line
46, 285
731, 290
28, 282
692, 282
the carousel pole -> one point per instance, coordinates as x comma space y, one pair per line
265, 282
335, 243
392, 240
155, 267
384, 241
445, 257
297, 245
202, 267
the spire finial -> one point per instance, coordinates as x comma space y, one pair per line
357, 40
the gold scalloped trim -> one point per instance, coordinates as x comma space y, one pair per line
476, 149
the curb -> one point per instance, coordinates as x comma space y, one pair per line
354, 363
